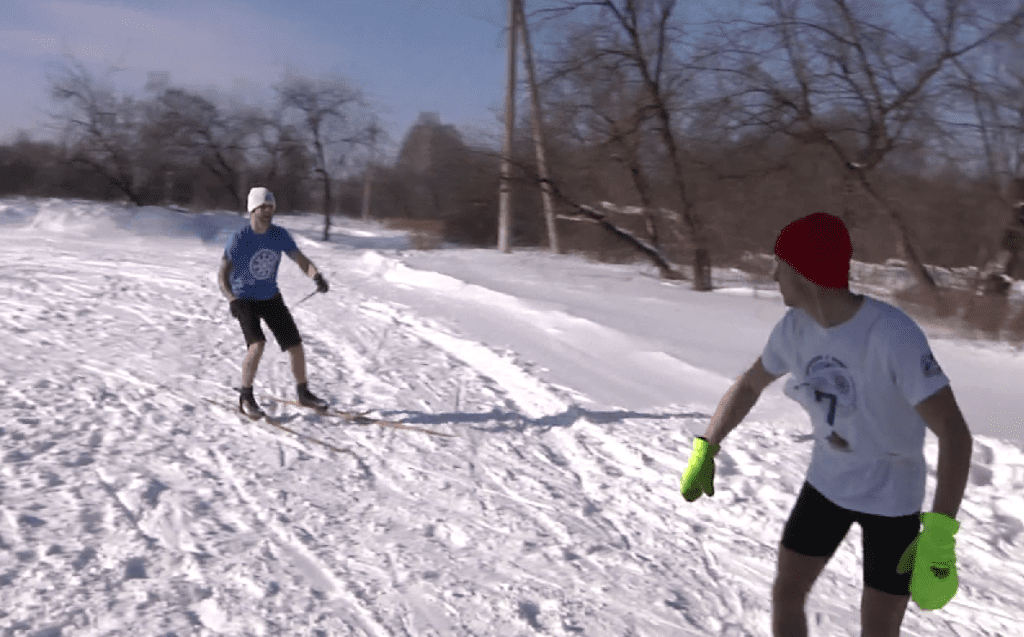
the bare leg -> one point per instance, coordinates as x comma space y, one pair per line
794, 578
298, 363
788, 620
881, 614
252, 363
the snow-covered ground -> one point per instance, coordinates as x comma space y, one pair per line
129, 506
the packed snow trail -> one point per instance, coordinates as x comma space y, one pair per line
130, 506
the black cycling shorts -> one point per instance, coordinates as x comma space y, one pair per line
817, 526
278, 319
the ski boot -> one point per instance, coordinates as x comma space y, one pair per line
309, 400
247, 404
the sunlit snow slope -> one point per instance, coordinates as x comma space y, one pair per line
129, 506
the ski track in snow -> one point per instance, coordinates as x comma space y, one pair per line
129, 506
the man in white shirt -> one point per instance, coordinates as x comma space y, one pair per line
864, 372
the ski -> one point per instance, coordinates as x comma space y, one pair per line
276, 423
361, 418
224, 405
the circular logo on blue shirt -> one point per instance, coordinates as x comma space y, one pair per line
263, 263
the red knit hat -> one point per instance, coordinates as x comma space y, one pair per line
818, 247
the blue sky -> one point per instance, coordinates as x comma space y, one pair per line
408, 56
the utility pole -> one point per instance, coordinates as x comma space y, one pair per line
367, 176
505, 187
538, 133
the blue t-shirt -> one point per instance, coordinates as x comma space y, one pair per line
255, 258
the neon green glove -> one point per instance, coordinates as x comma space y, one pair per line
932, 558
700, 472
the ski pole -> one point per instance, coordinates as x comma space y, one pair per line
307, 296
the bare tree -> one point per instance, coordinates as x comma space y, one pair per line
434, 163
100, 127
273, 139
578, 211
191, 127
599, 107
836, 73
642, 35
992, 92
332, 120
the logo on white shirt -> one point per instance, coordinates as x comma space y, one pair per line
827, 389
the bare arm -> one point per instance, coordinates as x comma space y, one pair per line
226, 267
942, 415
738, 402
304, 264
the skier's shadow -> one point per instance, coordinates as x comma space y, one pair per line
498, 421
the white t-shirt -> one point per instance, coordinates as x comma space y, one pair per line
859, 382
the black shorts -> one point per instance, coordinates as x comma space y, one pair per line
817, 526
278, 319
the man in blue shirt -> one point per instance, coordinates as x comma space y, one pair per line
248, 278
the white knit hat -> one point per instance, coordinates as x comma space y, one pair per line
259, 196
